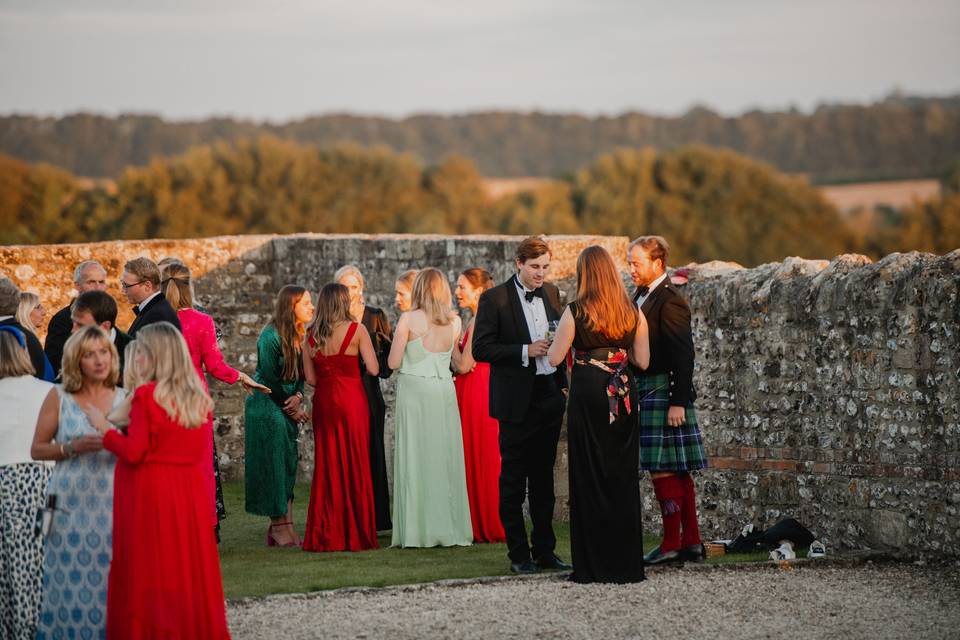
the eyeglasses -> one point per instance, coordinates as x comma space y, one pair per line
125, 286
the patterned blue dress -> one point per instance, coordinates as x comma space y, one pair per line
77, 553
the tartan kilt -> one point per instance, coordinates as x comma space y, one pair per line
662, 447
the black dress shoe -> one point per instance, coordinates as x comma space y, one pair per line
525, 567
655, 557
552, 562
693, 553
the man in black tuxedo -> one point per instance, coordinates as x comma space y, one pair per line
527, 397
141, 284
671, 445
99, 308
88, 276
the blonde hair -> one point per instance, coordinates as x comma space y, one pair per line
179, 391
78, 344
28, 302
601, 296
431, 294
406, 278
131, 377
177, 286
145, 269
14, 358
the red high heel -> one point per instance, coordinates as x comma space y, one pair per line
272, 542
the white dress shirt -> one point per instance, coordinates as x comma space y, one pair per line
650, 289
536, 316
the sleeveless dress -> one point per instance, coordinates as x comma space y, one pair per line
603, 447
165, 575
79, 548
430, 505
481, 450
341, 516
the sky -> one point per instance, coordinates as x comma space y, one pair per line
286, 59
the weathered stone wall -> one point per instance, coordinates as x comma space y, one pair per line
830, 392
827, 391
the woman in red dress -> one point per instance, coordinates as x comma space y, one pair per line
342, 515
165, 574
481, 447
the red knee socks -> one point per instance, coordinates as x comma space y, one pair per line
670, 491
688, 512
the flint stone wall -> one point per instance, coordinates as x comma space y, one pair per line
828, 391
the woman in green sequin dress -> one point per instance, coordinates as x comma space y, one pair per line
272, 422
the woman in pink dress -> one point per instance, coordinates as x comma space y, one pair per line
481, 447
201, 336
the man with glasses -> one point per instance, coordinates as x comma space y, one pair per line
88, 276
141, 285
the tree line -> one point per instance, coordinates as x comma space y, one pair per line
713, 204
898, 137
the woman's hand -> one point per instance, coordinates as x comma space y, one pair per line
86, 444
97, 419
292, 404
249, 385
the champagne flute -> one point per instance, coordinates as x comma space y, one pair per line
551, 330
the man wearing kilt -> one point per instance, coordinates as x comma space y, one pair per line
671, 446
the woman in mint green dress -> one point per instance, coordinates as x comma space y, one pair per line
430, 506
271, 422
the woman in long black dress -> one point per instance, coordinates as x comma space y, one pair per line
607, 332
378, 326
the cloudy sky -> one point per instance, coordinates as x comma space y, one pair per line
288, 58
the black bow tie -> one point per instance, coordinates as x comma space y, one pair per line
641, 293
530, 295
136, 310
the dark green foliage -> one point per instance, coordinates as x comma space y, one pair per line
899, 137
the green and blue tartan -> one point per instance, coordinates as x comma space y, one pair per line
662, 447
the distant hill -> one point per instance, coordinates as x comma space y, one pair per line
900, 137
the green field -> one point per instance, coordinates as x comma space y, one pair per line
250, 568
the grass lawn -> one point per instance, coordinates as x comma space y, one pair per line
252, 569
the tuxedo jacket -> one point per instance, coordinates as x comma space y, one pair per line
58, 331
499, 333
671, 341
157, 310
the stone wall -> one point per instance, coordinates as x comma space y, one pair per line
830, 392
827, 391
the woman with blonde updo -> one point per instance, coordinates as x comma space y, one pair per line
403, 290
430, 504
165, 574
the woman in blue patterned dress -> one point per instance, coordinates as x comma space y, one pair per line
78, 549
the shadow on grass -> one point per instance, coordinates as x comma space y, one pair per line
250, 568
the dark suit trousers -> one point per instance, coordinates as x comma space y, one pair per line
528, 451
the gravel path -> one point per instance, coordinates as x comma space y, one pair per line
847, 601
